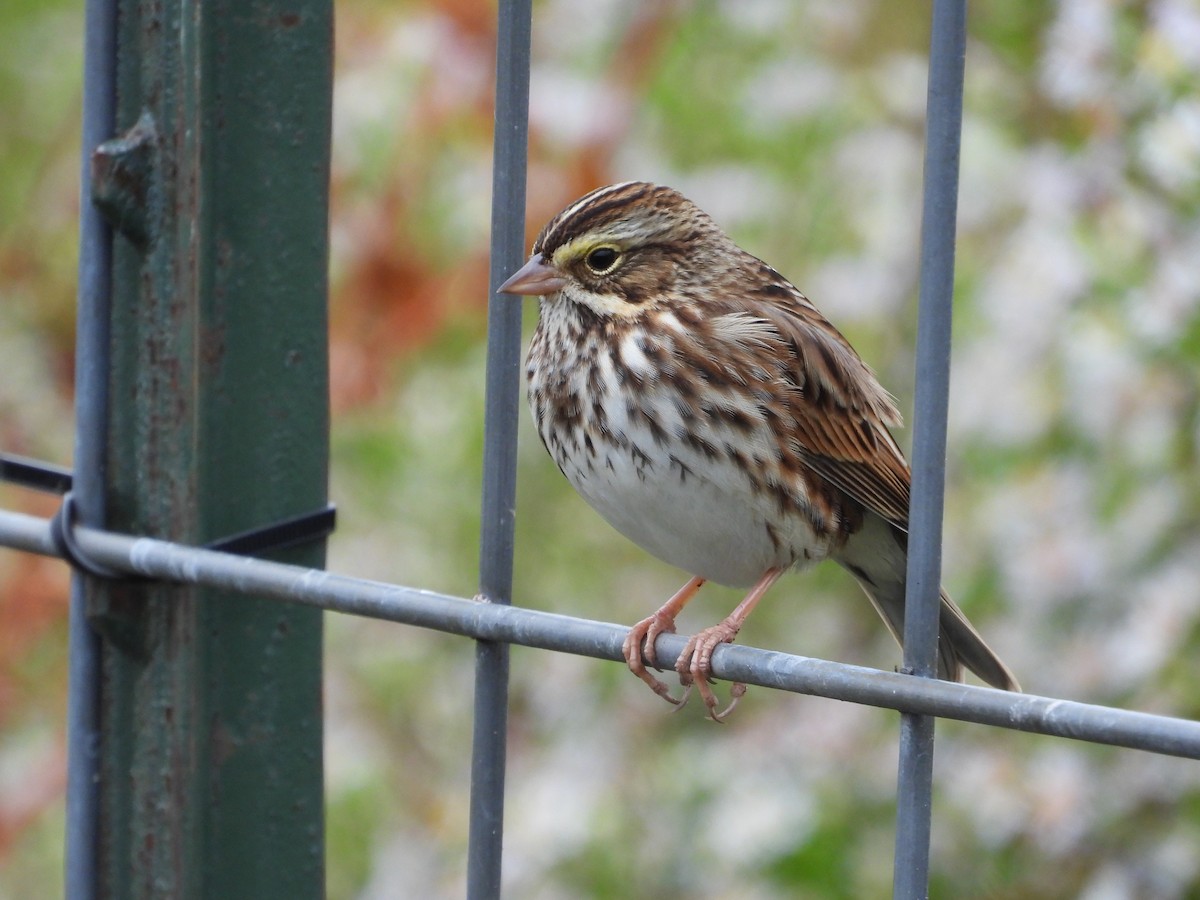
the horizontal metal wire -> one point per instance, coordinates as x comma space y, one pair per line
602, 640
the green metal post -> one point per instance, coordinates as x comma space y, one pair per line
211, 703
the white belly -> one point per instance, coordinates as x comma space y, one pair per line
683, 519
670, 498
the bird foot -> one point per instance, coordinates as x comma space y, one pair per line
695, 667
639, 650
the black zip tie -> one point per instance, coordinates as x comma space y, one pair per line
301, 529
32, 473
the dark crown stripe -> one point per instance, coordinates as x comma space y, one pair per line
588, 213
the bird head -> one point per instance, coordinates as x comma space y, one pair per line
621, 250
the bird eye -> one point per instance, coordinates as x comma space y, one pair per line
602, 260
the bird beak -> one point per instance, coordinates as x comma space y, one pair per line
534, 279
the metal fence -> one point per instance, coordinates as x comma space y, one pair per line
100, 555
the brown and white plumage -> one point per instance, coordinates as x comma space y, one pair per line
705, 408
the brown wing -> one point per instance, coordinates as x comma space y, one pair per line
838, 409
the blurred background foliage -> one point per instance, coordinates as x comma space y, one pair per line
1073, 519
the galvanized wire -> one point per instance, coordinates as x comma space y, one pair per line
91, 409
943, 133
602, 640
485, 841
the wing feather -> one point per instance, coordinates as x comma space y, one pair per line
837, 412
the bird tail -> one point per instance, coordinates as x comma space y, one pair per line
968, 648
959, 644
880, 570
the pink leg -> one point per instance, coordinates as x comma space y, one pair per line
648, 630
695, 663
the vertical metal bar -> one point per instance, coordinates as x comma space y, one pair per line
500, 446
942, 144
211, 773
91, 411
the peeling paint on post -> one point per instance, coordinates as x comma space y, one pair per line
217, 183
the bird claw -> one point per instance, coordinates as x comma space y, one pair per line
683, 699
694, 665
737, 691
703, 684
661, 688
638, 650
695, 668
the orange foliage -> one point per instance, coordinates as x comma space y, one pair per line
33, 603
33, 609
389, 301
